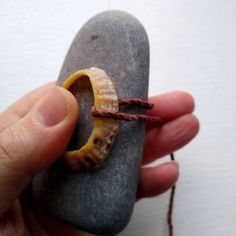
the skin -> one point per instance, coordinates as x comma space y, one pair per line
52, 112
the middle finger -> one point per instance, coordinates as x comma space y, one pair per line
171, 136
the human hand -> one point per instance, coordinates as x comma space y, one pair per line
35, 131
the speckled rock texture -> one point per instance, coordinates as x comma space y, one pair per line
101, 200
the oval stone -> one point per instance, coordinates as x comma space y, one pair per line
101, 200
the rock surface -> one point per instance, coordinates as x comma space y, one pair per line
101, 200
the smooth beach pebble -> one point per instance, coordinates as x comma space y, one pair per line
100, 200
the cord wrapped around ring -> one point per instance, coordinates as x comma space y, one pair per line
106, 116
104, 131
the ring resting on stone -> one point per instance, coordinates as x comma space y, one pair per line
104, 131
106, 114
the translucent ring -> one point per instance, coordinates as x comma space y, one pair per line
104, 132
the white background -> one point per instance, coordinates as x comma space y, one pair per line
193, 48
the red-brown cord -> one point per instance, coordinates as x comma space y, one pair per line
171, 203
124, 116
136, 102
131, 117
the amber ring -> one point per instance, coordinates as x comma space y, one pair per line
104, 132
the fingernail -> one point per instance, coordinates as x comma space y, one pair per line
53, 109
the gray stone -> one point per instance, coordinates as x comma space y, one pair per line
101, 200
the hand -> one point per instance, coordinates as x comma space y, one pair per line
52, 112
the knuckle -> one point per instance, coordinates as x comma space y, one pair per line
11, 143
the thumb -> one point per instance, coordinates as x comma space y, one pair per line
34, 142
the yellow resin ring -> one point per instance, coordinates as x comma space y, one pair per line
104, 130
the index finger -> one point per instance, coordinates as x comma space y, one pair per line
169, 106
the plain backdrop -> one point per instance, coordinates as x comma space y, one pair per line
193, 48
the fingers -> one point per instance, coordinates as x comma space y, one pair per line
170, 137
34, 141
21, 107
181, 126
156, 180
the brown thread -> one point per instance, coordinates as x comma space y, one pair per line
171, 203
123, 116
136, 102
130, 117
